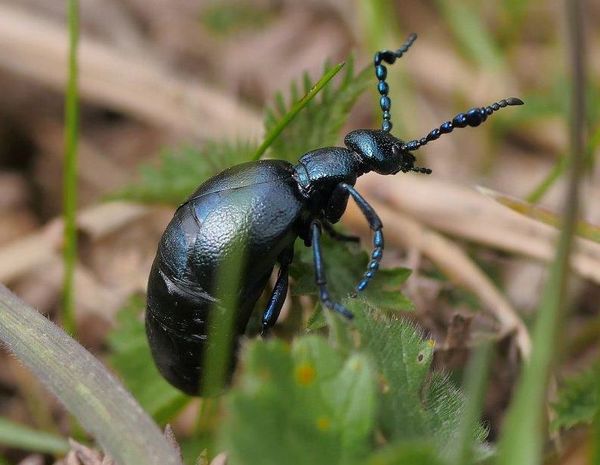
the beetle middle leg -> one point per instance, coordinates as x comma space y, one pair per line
376, 225
279, 293
315, 229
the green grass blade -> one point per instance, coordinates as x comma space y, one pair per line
98, 401
465, 22
596, 433
554, 175
21, 437
560, 167
70, 172
272, 135
523, 434
474, 387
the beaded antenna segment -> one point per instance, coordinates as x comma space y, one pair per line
473, 117
388, 57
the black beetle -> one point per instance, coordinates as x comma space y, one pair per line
270, 203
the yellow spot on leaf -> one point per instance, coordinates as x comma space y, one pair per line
305, 374
323, 423
431, 343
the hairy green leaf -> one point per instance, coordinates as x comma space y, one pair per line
286, 119
181, 170
320, 122
578, 400
344, 267
131, 358
416, 404
304, 406
406, 453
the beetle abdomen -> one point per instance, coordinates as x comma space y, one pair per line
256, 221
177, 322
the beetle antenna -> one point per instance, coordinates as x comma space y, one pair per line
418, 169
473, 117
389, 57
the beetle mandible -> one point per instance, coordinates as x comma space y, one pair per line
270, 203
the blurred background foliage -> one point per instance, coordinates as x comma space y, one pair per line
186, 88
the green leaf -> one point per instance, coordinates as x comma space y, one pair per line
578, 400
95, 398
22, 437
383, 292
286, 119
320, 408
403, 358
344, 267
415, 403
465, 21
228, 18
131, 358
321, 120
181, 170
406, 453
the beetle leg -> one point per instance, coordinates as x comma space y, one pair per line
320, 272
338, 236
279, 293
376, 225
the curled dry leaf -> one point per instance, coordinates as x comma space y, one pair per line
83, 455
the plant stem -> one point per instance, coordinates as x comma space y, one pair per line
70, 171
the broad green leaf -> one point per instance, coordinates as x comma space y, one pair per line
406, 453
21, 437
131, 358
308, 404
578, 400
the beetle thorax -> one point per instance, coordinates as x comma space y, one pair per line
320, 171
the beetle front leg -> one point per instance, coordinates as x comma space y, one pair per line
376, 225
320, 272
279, 293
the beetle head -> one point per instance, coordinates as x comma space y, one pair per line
380, 151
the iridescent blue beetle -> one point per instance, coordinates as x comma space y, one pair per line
270, 203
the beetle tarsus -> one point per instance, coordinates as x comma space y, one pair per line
376, 225
320, 273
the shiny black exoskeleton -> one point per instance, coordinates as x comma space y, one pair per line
269, 204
